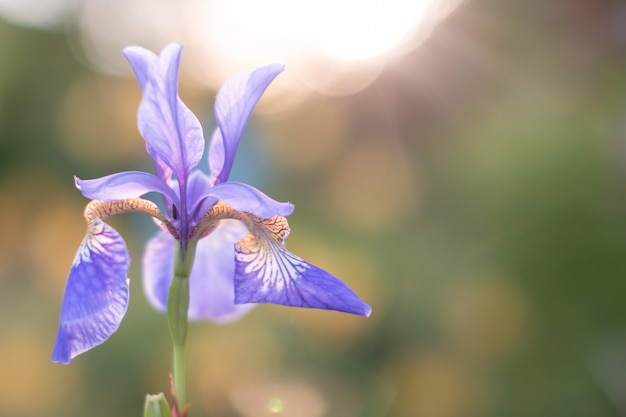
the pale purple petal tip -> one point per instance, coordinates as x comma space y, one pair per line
96, 294
267, 274
233, 105
141, 60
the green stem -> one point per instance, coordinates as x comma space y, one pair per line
177, 308
179, 375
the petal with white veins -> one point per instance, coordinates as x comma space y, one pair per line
96, 294
267, 273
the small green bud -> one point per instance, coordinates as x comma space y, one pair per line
156, 406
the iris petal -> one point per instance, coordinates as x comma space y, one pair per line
141, 60
197, 187
211, 281
171, 130
96, 294
233, 105
266, 272
123, 185
246, 198
158, 269
217, 158
211, 286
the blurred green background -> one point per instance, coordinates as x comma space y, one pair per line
473, 193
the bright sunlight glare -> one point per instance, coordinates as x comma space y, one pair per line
340, 29
355, 30
341, 39
335, 47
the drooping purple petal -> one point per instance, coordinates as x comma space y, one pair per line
130, 184
96, 294
170, 129
233, 105
211, 281
245, 198
265, 272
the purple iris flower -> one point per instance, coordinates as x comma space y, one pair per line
236, 231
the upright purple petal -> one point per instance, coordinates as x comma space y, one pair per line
123, 185
142, 60
172, 132
233, 105
211, 281
198, 185
96, 294
246, 198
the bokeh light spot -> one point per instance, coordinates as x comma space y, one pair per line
275, 405
373, 187
485, 318
348, 41
97, 119
304, 140
227, 355
30, 384
36, 13
435, 385
57, 233
266, 398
